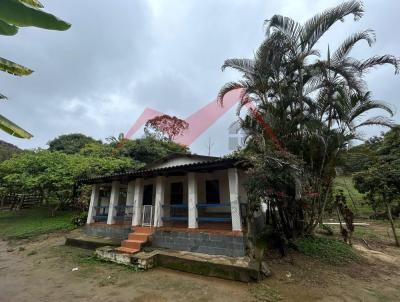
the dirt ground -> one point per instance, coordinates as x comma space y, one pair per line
42, 270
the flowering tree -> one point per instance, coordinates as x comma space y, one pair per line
166, 126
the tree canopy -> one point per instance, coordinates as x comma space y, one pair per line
166, 126
53, 174
70, 143
149, 149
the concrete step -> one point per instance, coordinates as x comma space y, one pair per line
132, 244
126, 250
139, 236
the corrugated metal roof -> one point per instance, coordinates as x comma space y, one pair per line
217, 164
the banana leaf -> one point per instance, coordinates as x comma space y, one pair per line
12, 129
14, 68
17, 13
33, 3
7, 29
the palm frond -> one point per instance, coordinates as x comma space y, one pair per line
367, 106
352, 78
377, 121
7, 29
345, 48
14, 68
227, 88
271, 50
243, 65
12, 129
315, 27
377, 61
284, 24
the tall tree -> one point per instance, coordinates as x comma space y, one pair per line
313, 106
13, 15
380, 182
166, 126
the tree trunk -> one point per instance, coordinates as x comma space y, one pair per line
389, 212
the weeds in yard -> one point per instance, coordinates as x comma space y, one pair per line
94, 260
328, 250
264, 293
31, 253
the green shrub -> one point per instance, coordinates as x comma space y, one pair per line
328, 250
80, 219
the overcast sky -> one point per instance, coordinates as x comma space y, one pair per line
120, 57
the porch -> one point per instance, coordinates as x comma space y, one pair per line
187, 202
205, 201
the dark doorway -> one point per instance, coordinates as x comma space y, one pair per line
148, 195
212, 191
176, 193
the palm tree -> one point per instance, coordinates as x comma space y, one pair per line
313, 106
15, 14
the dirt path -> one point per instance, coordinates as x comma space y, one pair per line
41, 270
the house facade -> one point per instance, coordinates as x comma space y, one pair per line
181, 202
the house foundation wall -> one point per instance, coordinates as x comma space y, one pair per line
212, 244
110, 231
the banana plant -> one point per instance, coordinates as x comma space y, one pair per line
13, 15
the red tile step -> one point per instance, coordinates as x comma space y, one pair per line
143, 230
133, 244
139, 237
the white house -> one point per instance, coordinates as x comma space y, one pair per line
181, 202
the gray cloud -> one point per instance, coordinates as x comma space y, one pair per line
120, 57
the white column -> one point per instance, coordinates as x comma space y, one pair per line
234, 199
94, 199
137, 202
113, 202
130, 197
160, 195
192, 201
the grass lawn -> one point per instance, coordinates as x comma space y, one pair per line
354, 198
31, 222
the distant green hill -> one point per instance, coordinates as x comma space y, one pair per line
7, 150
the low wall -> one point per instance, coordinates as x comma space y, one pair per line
212, 244
111, 231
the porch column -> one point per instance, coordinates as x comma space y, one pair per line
113, 202
159, 202
192, 201
234, 199
130, 197
137, 202
94, 199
